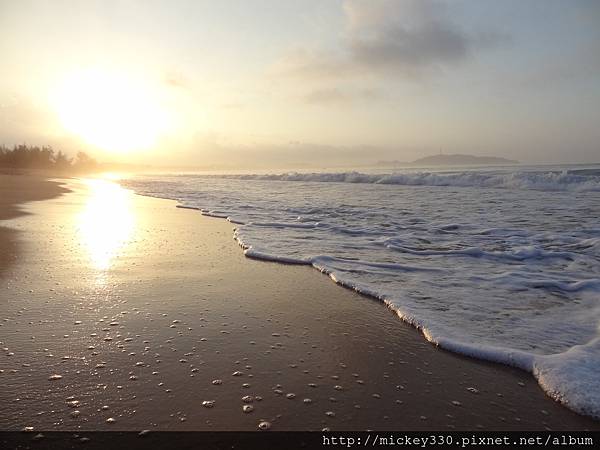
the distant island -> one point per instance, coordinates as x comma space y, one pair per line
460, 160
452, 160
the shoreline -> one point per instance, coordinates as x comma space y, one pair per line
16, 190
521, 360
179, 288
19, 189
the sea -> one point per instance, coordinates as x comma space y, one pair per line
497, 263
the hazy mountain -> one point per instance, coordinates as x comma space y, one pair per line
461, 160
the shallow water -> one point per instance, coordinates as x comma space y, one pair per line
497, 264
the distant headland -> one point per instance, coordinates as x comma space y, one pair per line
453, 160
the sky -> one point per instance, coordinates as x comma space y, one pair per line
286, 83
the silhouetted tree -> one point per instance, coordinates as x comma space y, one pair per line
22, 156
33, 157
83, 162
62, 161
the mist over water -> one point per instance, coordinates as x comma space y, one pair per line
500, 264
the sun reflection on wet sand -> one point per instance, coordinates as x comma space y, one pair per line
106, 223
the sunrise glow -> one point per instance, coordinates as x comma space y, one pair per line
110, 110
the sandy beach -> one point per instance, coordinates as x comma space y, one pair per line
123, 312
16, 189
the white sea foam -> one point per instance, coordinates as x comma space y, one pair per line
564, 180
502, 266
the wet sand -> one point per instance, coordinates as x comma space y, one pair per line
144, 311
15, 190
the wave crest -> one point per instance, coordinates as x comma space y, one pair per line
566, 180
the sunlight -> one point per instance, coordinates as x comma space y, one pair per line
106, 223
113, 176
110, 111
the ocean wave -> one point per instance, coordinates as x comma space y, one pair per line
569, 377
566, 180
510, 276
519, 254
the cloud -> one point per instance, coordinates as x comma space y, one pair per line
411, 38
328, 96
220, 152
176, 80
306, 63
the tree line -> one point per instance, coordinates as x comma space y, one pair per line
33, 157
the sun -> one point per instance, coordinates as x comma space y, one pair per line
110, 110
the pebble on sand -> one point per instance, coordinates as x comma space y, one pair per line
264, 425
